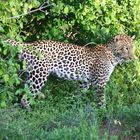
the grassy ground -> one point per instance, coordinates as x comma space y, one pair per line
70, 114
49, 122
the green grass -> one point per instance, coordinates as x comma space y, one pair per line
69, 114
49, 123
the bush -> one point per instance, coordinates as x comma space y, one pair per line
78, 22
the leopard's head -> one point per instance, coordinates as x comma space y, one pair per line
122, 47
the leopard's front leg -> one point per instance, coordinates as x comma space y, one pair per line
99, 90
100, 96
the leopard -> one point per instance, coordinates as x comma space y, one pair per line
91, 65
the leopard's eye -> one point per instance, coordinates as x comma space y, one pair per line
126, 49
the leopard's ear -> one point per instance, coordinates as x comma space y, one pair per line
117, 38
133, 37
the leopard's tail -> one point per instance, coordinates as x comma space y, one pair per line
14, 43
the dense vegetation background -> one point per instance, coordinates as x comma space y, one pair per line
66, 112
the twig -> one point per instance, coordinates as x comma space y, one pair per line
90, 43
21, 73
32, 11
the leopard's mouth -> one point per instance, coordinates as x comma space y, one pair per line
127, 59
131, 58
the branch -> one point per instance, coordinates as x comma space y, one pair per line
90, 43
32, 11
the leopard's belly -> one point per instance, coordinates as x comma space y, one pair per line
72, 73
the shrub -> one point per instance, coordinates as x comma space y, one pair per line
78, 22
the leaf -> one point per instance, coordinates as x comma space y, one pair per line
108, 20
32, 101
66, 10
3, 104
1, 72
5, 51
24, 65
40, 16
6, 77
1, 29
11, 3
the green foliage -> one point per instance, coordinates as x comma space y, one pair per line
95, 21
74, 21
48, 123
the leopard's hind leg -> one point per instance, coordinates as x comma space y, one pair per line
38, 74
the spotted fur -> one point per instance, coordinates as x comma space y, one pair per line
91, 65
